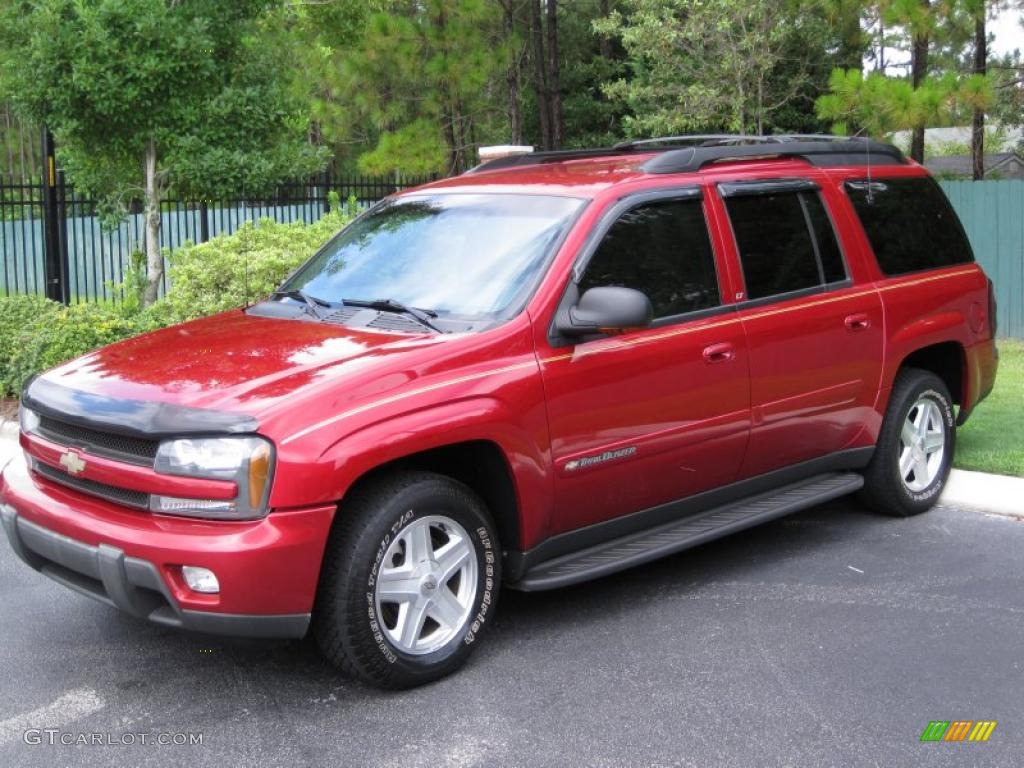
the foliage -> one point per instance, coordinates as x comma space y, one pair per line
226, 272
413, 80
231, 270
145, 95
108, 76
17, 314
877, 104
57, 334
699, 66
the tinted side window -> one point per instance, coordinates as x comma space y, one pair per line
777, 249
662, 249
910, 224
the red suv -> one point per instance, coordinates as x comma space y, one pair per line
546, 370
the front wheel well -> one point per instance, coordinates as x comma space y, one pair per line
479, 464
947, 361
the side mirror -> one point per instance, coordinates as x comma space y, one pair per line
606, 308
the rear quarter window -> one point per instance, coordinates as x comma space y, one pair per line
910, 224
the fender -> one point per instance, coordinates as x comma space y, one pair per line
934, 329
520, 434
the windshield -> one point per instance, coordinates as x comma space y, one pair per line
471, 256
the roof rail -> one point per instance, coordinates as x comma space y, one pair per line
700, 139
817, 149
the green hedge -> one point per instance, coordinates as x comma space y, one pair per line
37, 334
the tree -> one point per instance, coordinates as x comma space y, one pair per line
980, 13
700, 66
148, 95
411, 85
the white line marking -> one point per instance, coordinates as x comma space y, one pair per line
858, 570
68, 708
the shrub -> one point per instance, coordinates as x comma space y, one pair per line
17, 315
226, 272
60, 335
231, 270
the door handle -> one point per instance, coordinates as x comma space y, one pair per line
857, 322
719, 353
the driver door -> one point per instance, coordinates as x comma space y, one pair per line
655, 414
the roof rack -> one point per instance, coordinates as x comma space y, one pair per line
817, 150
700, 150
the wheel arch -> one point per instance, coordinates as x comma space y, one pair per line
947, 360
479, 464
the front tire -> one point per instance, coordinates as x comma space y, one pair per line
410, 580
914, 453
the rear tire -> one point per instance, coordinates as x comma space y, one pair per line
915, 447
409, 582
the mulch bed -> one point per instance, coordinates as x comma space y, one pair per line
8, 409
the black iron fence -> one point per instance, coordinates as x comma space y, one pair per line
53, 242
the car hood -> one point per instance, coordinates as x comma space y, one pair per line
235, 362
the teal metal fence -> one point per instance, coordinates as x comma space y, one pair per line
993, 215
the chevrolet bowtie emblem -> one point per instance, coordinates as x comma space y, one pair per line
72, 462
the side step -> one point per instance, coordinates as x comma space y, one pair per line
667, 539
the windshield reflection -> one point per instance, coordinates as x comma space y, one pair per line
471, 256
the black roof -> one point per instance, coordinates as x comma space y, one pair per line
682, 154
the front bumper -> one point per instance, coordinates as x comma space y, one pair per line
268, 569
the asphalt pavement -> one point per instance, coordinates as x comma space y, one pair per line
832, 637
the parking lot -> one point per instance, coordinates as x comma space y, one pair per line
828, 638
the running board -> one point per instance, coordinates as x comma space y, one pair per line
667, 539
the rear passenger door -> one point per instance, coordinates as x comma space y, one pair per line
657, 413
814, 338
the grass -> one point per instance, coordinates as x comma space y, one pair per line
992, 440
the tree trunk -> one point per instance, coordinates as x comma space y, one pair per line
154, 259
21, 142
604, 41
515, 118
541, 80
8, 144
978, 123
918, 71
449, 108
554, 78
881, 45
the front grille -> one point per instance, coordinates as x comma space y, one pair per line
128, 498
133, 450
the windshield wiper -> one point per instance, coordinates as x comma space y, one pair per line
312, 303
391, 305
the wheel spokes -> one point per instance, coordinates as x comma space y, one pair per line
418, 546
410, 622
933, 442
451, 557
397, 586
906, 462
446, 610
909, 433
417, 607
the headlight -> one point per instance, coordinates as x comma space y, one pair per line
29, 419
248, 461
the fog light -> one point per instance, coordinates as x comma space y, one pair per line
200, 579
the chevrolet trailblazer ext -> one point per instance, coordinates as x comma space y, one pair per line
546, 370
